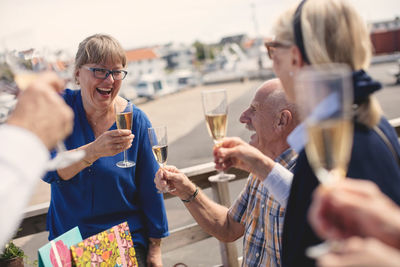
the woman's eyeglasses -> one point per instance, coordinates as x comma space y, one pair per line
101, 73
271, 46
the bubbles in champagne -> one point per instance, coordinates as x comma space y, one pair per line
160, 153
216, 125
124, 120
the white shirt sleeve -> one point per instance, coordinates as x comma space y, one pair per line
22, 163
278, 182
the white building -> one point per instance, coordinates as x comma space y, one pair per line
144, 61
178, 56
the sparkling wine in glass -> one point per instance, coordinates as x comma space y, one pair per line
324, 95
17, 71
215, 106
124, 117
159, 143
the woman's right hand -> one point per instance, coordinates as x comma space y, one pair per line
107, 144
110, 143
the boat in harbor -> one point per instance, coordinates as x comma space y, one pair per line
153, 86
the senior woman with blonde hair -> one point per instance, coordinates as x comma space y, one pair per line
318, 32
94, 193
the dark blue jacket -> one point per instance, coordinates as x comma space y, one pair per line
371, 159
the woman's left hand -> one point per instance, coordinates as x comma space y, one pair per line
154, 256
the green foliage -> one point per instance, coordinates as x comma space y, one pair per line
11, 251
203, 51
6, 74
200, 51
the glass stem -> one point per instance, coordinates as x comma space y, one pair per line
217, 143
125, 156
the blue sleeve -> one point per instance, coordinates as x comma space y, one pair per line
51, 177
151, 202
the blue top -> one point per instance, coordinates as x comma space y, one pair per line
104, 195
371, 159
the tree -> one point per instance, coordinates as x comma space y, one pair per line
200, 51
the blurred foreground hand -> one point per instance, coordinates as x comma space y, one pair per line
42, 111
354, 208
361, 252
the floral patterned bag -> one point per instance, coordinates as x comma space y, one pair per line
113, 247
56, 253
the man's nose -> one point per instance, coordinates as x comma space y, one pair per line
243, 117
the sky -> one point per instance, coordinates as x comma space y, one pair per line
62, 24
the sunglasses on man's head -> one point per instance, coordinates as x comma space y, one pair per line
271, 46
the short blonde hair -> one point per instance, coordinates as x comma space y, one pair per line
99, 48
333, 32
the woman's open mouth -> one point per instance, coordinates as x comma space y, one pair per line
104, 91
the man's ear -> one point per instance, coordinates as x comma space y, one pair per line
285, 117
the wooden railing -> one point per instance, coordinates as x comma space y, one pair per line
35, 216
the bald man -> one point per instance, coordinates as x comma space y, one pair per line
256, 215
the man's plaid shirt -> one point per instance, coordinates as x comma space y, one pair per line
262, 218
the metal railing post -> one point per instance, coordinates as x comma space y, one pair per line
229, 255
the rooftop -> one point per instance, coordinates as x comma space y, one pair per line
141, 54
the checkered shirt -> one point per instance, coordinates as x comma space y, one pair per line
262, 218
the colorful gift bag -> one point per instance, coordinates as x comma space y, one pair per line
56, 253
113, 247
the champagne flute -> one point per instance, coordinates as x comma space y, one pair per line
159, 144
324, 95
124, 117
17, 71
215, 106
